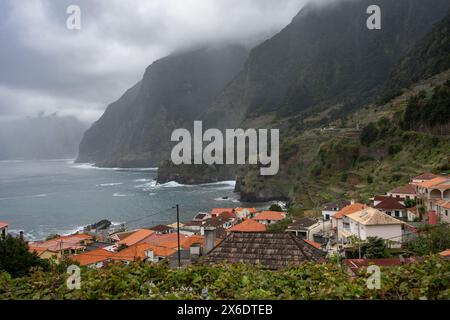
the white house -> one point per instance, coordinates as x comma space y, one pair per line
371, 222
443, 210
270, 217
330, 209
3, 229
407, 192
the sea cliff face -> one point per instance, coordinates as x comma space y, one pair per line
135, 131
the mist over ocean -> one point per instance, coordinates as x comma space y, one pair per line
58, 196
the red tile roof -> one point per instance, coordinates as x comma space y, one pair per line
219, 211
171, 240
3, 224
313, 243
136, 237
445, 253
248, 226
91, 257
355, 264
432, 183
425, 176
349, 210
390, 203
59, 244
406, 189
270, 215
138, 252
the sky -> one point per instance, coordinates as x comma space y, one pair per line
47, 68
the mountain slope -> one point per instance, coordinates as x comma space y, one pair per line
325, 57
136, 130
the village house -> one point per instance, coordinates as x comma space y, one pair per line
431, 191
354, 266
423, 177
60, 247
245, 213
95, 259
392, 207
445, 254
443, 210
162, 229
406, 192
270, 217
376, 200
303, 228
143, 252
218, 211
3, 229
370, 222
337, 220
136, 236
331, 209
413, 214
270, 250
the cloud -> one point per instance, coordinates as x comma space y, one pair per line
46, 67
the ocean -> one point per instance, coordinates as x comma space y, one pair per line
61, 197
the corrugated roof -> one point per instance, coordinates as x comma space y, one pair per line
271, 250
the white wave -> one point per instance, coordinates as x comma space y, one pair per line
228, 183
12, 161
143, 180
118, 194
110, 184
40, 195
152, 194
93, 166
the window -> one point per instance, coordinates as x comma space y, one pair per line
446, 213
397, 213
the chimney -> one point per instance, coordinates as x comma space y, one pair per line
21, 236
210, 239
432, 217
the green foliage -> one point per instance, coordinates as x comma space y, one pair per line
428, 112
369, 134
275, 207
375, 248
16, 259
280, 226
428, 279
410, 203
431, 239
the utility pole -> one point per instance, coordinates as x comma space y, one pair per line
178, 231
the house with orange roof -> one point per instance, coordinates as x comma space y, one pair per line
171, 240
423, 177
218, 211
431, 191
60, 247
136, 237
339, 223
270, 217
248, 225
143, 252
3, 229
93, 259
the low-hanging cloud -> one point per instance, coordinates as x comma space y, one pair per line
46, 68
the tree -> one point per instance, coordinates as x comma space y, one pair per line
410, 203
431, 239
369, 134
375, 248
16, 259
275, 207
